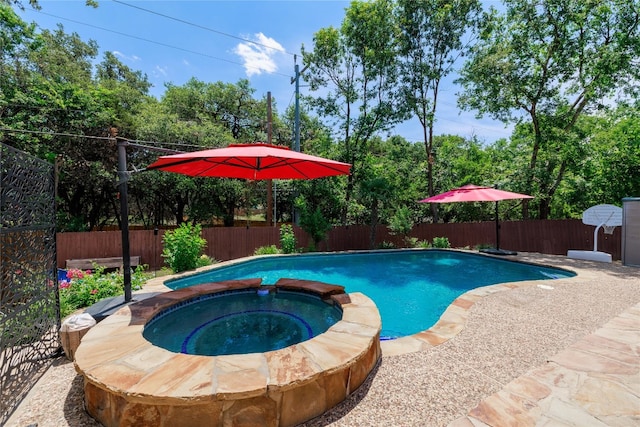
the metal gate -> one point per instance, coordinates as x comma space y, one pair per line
29, 305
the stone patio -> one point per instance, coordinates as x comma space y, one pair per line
565, 353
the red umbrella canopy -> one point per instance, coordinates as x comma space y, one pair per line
251, 161
474, 193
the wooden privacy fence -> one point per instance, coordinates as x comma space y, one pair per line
544, 236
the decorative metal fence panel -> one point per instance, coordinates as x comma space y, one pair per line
29, 305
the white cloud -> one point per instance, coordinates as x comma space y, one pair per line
260, 56
160, 71
132, 58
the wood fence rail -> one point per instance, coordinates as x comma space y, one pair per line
544, 236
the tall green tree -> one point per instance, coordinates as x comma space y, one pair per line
434, 34
355, 70
614, 164
547, 63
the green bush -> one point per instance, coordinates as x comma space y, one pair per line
313, 222
83, 289
386, 245
204, 260
483, 246
441, 242
401, 223
183, 246
287, 239
423, 244
266, 250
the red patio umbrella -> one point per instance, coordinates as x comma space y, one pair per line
251, 161
474, 193
248, 161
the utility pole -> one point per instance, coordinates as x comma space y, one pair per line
269, 181
296, 122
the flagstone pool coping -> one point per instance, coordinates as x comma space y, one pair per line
129, 381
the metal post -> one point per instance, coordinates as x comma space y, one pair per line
269, 216
124, 214
296, 122
497, 229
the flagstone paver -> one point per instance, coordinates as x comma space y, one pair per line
507, 347
594, 382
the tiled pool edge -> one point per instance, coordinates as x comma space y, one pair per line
127, 380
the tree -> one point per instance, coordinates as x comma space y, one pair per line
613, 170
432, 38
374, 192
355, 68
313, 222
549, 62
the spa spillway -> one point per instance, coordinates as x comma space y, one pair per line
130, 381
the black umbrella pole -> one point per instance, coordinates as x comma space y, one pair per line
124, 214
497, 229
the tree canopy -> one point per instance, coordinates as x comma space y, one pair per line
564, 71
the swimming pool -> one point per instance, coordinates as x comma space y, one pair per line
412, 288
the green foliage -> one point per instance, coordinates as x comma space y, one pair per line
64, 223
483, 246
83, 289
183, 246
441, 243
267, 250
313, 222
287, 239
204, 260
575, 71
401, 223
385, 61
356, 69
386, 245
423, 244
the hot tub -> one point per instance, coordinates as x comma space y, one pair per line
130, 381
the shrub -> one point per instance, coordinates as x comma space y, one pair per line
483, 246
183, 246
266, 250
386, 245
204, 260
401, 222
83, 289
313, 222
287, 239
441, 242
423, 244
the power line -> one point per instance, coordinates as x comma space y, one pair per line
3, 129
174, 144
132, 142
155, 42
201, 26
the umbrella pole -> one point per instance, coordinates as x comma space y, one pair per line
124, 213
497, 229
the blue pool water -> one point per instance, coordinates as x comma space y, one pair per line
241, 322
411, 288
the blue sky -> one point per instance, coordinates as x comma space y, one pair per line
173, 41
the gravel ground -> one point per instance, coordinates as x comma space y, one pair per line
507, 334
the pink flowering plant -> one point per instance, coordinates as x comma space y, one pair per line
85, 288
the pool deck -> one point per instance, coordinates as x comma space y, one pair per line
559, 352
